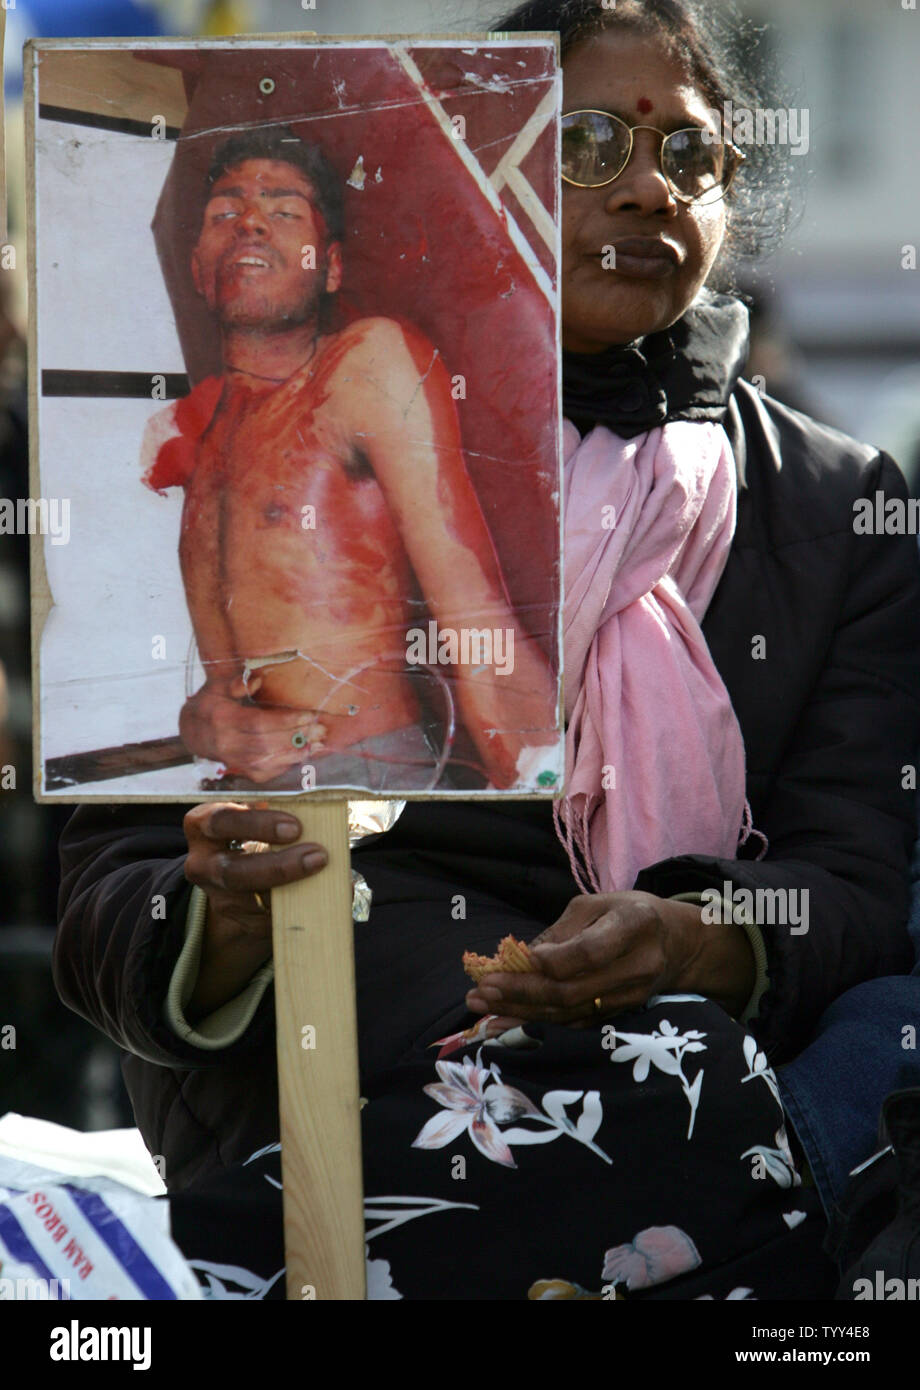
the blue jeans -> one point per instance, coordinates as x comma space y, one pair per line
863, 1049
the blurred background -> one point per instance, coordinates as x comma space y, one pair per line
836, 332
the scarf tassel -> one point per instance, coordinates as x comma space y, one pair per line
580, 840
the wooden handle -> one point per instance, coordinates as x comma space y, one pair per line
318, 1068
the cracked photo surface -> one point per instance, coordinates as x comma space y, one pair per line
298, 417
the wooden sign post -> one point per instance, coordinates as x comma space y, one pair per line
318, 1067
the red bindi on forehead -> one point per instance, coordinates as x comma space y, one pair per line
644, 106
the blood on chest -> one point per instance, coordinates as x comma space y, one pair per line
287, 493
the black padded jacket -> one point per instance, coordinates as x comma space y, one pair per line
829, 705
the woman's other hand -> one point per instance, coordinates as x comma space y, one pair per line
620, 949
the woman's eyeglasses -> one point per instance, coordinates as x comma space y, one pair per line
697, 166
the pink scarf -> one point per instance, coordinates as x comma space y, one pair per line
654, 753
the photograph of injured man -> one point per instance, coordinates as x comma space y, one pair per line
326, 552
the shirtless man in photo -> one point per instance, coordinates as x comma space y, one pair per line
322, 472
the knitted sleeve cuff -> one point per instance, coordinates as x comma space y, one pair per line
758, 946
226, 1024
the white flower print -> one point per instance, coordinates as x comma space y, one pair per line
222, 1281
583, 1129
665, 1048
388, 1213
477, 1100
218, 1280
260, 1153
379, 1279
778, 1162
654, 999
491, 1028
396, 1211
757, 1067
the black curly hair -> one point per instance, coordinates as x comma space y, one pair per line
279, 142
727, 57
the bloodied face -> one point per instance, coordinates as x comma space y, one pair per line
664, 249
261, 259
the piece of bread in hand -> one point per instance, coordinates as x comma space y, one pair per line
512, 956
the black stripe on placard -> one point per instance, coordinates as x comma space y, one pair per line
120, 124
124, 384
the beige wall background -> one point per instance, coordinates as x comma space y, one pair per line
849, 312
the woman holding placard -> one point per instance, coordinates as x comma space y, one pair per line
742, 697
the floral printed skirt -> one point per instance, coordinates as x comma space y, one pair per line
643, 1158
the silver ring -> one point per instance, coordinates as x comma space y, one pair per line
235, 846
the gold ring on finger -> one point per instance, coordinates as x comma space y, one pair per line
259, 900
597, 1005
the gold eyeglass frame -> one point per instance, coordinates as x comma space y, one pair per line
665, 136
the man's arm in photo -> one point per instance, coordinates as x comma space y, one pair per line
401, 407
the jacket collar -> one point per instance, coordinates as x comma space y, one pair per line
686, 372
